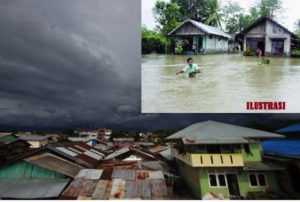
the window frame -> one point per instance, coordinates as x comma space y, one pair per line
257, 179
216, 174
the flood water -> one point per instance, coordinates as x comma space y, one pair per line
227, 82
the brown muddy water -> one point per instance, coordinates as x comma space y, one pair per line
227, 82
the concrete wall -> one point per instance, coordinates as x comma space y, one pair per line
269, 30
273, 31
255, 153
38, 144
215, 44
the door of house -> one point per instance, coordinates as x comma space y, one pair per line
277, 47
233, 185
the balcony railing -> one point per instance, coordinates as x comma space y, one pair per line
210, 160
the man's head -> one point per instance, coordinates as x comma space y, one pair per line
189, 61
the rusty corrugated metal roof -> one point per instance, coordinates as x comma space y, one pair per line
118, 184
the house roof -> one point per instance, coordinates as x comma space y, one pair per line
54, 163
117, 183
282, 147
264, 166
80, 152
32, 189
290, 129
205, 28
7, 137
33, 137
261, 20
212, 132
135, 149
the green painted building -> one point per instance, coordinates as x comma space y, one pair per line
223, 159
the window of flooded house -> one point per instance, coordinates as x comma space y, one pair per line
257, 179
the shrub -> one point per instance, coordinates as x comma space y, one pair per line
178, 48
266, 61
153, 42
296, 52
249, 52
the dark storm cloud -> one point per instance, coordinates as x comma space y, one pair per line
69, 62
76, 63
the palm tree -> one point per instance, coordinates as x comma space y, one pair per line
213, 15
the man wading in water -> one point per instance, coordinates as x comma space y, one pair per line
190, 68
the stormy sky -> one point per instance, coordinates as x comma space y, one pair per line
76, 64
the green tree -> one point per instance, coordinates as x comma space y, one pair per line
153, 41
233, 17
297, 25
269, 8
191, 9
212, 13
167, 15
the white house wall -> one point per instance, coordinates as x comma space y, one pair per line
273, 31
269, 30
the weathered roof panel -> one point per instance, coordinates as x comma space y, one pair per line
32, 189
67, 151
216, 132
54, 163
91, 174
206, 28
158, 188
33, 137
144, 189
123, 174
117, 189
102, 191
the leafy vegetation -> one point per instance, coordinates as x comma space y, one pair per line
249, 52
296, 52
178, 48
153, 41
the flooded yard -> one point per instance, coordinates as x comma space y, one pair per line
227, 82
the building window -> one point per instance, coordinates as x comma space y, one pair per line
213, 180
210, 36
217, 180
222, 180
257, 180
247, 148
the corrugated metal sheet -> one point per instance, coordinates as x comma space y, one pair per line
123, 174
54, 163
102, 191
32, 189
156, 175
88, 189
25, 170
93, 155
158, 188
67, 151
117, 153
144, 189
141, 174
206, 28
131, 189
91, 174
33, 137
80, 188
117, 189
119, 184
212, 132
250, 166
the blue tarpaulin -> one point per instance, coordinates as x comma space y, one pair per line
290, 129
282, 147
